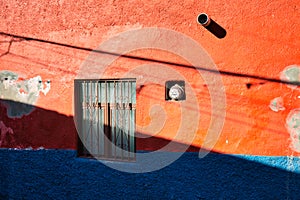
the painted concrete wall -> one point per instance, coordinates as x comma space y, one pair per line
262, 41
58, 174
45, 45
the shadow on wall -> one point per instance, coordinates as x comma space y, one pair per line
51, 130
60, 174
40, 129
215, 29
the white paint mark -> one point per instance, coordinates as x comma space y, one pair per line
293, 127
47, 88
22, 91
277, 104
28, 148
226, 141
26, 92
291, 74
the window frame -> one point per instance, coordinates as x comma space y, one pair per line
115, 100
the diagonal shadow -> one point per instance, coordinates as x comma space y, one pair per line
222, 72
56, 173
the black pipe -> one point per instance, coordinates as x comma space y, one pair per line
204, 20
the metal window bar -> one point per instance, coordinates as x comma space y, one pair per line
105, 118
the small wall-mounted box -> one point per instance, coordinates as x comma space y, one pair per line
175, 90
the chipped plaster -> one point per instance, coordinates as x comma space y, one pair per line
25, 92
277, 104
291, 74
293, 127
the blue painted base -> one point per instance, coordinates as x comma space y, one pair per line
58, 174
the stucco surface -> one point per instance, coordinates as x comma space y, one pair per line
261, 43
59, 174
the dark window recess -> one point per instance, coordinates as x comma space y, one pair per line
105, 118
175, 90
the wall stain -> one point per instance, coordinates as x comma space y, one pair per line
291, 74
293, 127
6, 135
277, 104
24, 91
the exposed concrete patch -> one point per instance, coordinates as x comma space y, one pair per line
291, 74
277, 104
25, 92
293, 126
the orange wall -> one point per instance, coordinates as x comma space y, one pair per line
262, 40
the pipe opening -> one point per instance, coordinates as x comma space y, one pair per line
203, 19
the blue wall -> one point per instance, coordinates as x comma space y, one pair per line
58, 174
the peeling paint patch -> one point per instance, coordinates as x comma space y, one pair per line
291, 74
6, 135
25, 92
277, 104
293, 127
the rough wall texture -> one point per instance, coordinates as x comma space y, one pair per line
58, 174
262, 41
43, 45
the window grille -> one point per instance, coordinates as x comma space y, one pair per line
105, 118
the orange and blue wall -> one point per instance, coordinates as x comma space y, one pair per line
44, 46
